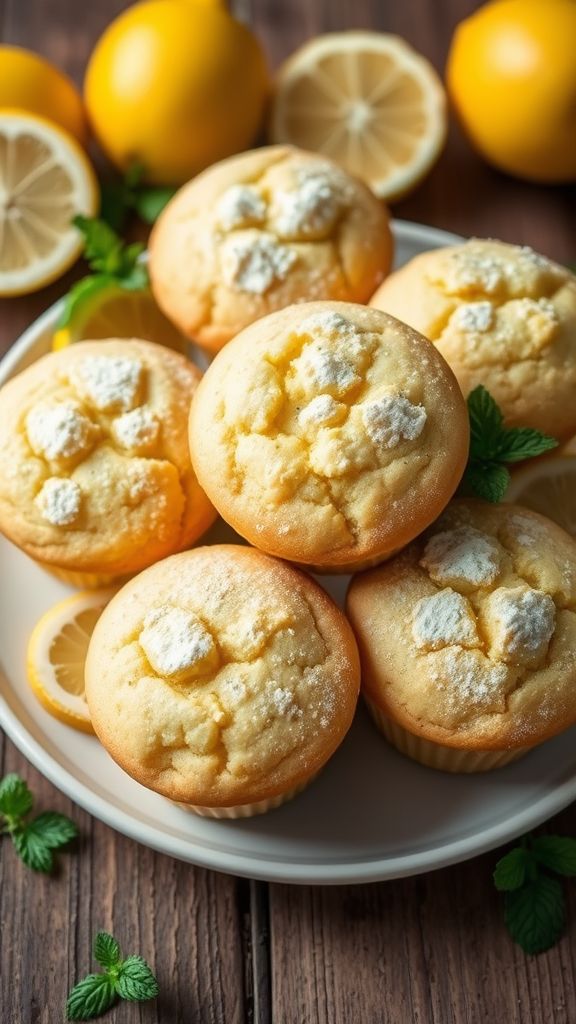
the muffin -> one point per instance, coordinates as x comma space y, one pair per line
329, 434
468, 638
222, 679
95, 473
261, 231
502, 316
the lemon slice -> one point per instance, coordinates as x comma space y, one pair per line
113, 312
57, 653
368, 101
549, 487
45, 178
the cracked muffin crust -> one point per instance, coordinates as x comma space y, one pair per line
261, 231
502, 316
468, 637
95, 473
329, 434
222, 678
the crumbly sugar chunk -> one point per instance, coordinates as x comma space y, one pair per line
321, 411
392, 419
521, 622
327, 370
443, 619
241, 206
463, 555
59, 501
110, 383
176, 643
136, 429
311, 209
253, 263
474, 316
327, 323
59, 431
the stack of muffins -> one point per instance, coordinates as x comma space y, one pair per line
327, 433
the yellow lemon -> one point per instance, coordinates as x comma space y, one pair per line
45, 178
175, 85
368, 101
57, 652
28, 82
114, 312
511, 74
548, 486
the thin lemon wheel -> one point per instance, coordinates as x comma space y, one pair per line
114, 312
549, 487
57, 653
368, 101
45, 179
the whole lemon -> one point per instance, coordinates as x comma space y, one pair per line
511, 74
30, 83
175, 85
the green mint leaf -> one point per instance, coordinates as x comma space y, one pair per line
486, 480
485, 424
137, 280
15, 798
32, 850
535, 914
134, 175
135, 980
115, 203
149, 202
510, 871
81, 292
106, 950
53, 829
521, 443
90, 998
102, 245
557, 853
129, 262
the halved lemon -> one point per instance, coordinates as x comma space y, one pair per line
57, 653
114, 312
45, 179
548, 486
368, 101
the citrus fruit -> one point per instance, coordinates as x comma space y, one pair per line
368, 101
511, 74
175, 85
29, 82
114, 312
548, 486
45, 178
57, 653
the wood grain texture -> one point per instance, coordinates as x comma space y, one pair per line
430, 950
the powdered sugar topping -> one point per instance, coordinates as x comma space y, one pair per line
111, 383
284, 704
392, 419
463, 555
521, 623
59, 431
327, 323
467, 678
442, 619
253, 263
327, 369
311, 209
321, 411
176, 642
136, 429
241, 206
59, 501
474, 316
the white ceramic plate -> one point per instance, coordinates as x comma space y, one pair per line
371, 815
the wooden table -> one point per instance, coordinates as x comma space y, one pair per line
228, 951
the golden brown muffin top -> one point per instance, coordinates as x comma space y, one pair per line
328, 433
221, 676
468, 637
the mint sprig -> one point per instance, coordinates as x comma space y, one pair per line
122, 978
36, 839
534, 902
493, 447
119, 198
113, 261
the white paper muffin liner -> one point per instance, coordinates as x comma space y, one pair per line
249, 810
436, 755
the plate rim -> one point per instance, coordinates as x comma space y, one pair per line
272, 870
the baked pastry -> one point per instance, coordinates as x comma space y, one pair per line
261, 231
95, 473
329, 434
467, 637
222, 679
502, 316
